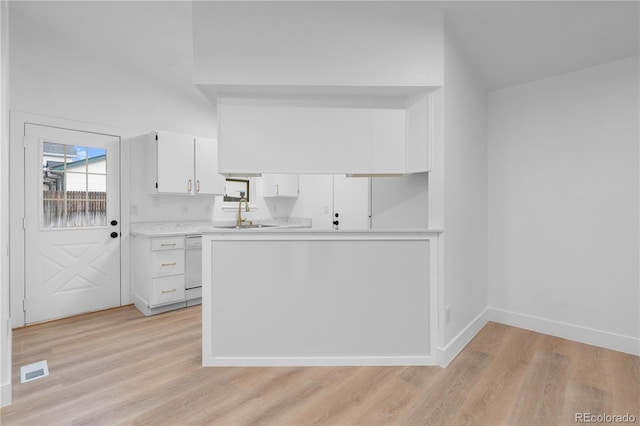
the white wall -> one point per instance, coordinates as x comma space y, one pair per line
465, 194
5, 300
63, 72
400, 202
57, 72
563, 205
300, 43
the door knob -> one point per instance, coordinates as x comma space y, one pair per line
337, 215
336, 223
114, 235
114, 222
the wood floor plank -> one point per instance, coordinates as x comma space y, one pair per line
388, 405
490, 400
582, 398
335, 405
624, 376
541, 397
490, 339
441, 402
119, 367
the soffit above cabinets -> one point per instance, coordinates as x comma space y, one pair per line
397, 94
316, 48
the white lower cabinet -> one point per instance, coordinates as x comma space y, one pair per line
167, 290
158, 274
165, 263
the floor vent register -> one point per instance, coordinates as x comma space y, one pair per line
33, 371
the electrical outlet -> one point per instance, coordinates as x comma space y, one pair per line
447, 315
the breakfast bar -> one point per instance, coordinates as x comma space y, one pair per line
302, 297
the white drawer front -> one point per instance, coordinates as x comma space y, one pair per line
171, 243
170, 262
167, 290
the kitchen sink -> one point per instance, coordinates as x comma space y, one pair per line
252, 226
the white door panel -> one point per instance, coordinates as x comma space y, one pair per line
350, 203
71, 198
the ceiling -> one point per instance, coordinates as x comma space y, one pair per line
515, 42
507, 42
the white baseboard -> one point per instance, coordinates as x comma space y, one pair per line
145, 309
5, 394
338, 361
455, 346
590, 336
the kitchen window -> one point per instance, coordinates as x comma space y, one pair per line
234, 188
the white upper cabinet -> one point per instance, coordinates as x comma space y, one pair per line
291, 137
172, 163
207, 178
175, 154
320, 135
280, 185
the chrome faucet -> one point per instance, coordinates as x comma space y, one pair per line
239, 219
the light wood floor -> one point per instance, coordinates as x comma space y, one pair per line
119, 367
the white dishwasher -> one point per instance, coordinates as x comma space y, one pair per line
193, 270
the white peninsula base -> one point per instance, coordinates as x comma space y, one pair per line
304, 297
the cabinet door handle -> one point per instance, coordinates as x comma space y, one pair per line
167, 244
168, 264
168, 291
277, 189
198, 185
189, 186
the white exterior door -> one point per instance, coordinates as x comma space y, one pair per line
72, 223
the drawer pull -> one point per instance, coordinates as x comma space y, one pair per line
167, 244
168, 291
168, 264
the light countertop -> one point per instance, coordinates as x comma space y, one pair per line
167, 229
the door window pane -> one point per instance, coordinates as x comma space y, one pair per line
236, 189
74, 186
97, 183
53, 213
75, 182
97, 160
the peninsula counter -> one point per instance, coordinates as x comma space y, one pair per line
290, 297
